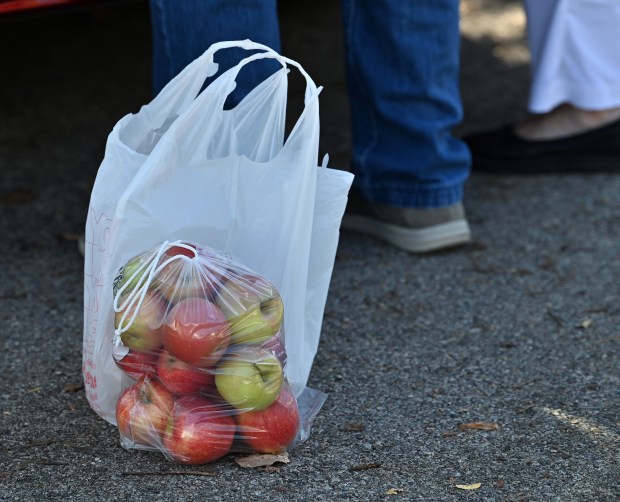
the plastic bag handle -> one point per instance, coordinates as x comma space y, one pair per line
232, 73
246, 44
222, 86
191, 79
209, 106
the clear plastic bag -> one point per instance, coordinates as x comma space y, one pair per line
201, 341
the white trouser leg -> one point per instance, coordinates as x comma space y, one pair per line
575, 46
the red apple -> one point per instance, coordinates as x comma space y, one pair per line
216, 266
271, 430
144, 333
181, 279
199, 431
134, 363
197, 275
176, 280
180, 250
143, 411
181, 378
196, 332
276, 347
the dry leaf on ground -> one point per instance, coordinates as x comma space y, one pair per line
394, 491
271, 469
479, 426
354, 427
585, 324
473, 486
258, 460
73, 387
365, 467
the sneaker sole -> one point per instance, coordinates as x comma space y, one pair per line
416, 240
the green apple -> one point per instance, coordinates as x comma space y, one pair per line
144, 333
253, 308
130, 274
249, 378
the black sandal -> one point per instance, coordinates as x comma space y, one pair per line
501, 151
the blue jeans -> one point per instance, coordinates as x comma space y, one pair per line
184, 29
403, 81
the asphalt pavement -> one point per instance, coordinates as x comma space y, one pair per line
488, 372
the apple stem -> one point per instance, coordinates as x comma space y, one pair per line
265, 378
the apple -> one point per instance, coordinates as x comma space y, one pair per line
253, 306
181, 279
275, 345
181, 378
134, 363
144, 333
273, 429
199, 431
249, 378
215, 264
180, 250
196, 275
174, 281
143, 411
196, 332
130, 274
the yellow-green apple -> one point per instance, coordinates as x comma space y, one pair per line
253, 306
130, 274
143, 411
134, 363
249, 378
271, 430
199, 431
181, 378
196, 332
144, 333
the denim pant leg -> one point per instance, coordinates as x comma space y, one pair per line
403, 83
184, 29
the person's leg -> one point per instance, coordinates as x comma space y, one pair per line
184, 29
402, 62
403, 81
575, 56
574, 100
564, 121
575, 67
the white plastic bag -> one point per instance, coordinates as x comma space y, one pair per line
184, 168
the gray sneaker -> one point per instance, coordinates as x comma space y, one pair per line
410, 229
